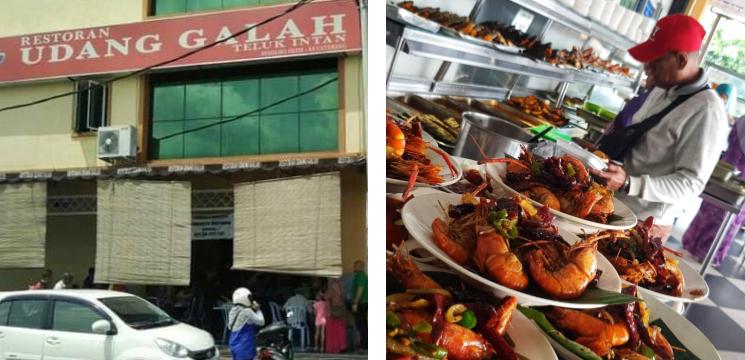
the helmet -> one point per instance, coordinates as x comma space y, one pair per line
242, 296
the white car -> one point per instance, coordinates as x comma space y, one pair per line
95, 325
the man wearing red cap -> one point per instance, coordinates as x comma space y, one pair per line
675, 139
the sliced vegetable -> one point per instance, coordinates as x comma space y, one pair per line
540, 319
392, 320
468, 320
646, 351
429, 349
422, 327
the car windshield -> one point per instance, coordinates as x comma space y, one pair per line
138, 313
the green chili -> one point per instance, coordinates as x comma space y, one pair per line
469, 319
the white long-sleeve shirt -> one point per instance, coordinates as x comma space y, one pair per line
240, 316
673, 161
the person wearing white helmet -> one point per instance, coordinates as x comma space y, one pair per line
244, 318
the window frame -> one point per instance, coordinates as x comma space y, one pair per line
77, 127
297, 66
4, 322
45, 315
83, 303
50, 299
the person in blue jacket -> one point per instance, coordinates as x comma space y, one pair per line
243, 320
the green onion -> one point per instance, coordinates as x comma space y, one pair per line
428, 349
469, 319
646, 351
540, 319
392, 320
422, 327
501, 214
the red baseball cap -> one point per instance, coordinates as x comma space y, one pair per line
676, 32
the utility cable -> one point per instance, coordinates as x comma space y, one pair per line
294, 7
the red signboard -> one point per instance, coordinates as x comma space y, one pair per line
319, 27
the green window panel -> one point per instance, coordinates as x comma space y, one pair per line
275, 2
319, 131
202, 100
279, 133
305, 123
227, 4
276, 88
202, 5
241, 137
168, 103
240, 96
170, 148
165, 7
325, 98
204, 142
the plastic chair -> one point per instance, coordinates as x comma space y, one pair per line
276, 311
298, 321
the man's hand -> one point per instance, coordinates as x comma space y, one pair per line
613, 178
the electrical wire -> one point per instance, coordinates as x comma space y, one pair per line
294, 7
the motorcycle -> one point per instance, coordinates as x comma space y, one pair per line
272, 343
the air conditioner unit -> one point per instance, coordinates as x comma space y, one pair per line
116, 142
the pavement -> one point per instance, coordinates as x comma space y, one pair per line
225, 355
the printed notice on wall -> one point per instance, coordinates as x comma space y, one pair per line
212, 228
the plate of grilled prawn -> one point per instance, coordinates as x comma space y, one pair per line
642, 260
434, 315
509, 247
412, 160
641, 330
564, 185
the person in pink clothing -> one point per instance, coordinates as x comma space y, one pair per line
321, 308
336, 328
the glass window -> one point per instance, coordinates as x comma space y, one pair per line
278, 88
4, 309
164, 7
202, 138
202, 101
171, 147
168, 102
319, 131
137, 313
325, 98
241, 136
90, 105
279, 134
27, 313
227, 4
201, 5
240, 96
74, 317
221, 117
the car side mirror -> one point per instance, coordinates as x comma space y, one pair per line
103, 327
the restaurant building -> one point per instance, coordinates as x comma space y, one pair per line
248, 155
